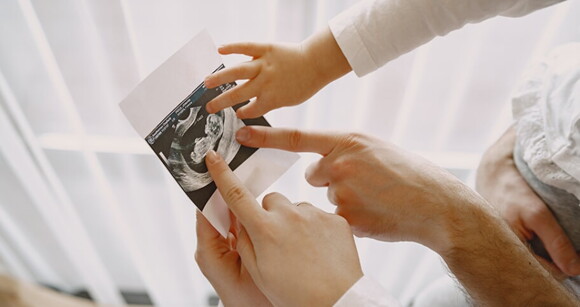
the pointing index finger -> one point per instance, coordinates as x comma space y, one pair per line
240, 201
247, 48
288, 139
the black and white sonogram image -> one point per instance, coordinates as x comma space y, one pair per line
189, 132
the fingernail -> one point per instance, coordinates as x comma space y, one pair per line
212, 157
231, 241
207, 82
240, 113
242, 135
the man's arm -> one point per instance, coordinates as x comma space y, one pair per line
495, 268
500, 182
388, 194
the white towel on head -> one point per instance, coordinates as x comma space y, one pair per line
546, 107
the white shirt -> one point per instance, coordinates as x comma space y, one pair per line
366, 292
374, 32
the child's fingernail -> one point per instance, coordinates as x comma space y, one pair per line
242, 135
207, 82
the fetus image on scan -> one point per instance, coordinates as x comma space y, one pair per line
194, 137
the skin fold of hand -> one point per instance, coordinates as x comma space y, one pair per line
499, 181
389, 194
295, 255
278, 75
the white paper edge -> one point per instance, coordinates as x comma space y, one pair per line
172, 82
257, 173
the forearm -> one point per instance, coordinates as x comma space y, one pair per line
494, 267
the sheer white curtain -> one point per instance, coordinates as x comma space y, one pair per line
85, 205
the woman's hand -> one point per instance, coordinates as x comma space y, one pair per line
278, 75
297, 255
221, 264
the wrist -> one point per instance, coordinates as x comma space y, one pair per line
460, 222
490, 262
325, 57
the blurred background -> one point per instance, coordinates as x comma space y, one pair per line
85, 206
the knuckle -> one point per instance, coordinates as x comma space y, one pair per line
298, 217
294, 139
234, 96
355, 138
341, 168
537, 214
236, 71
560, 243
235, 194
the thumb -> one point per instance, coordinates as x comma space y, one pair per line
556, 243
245, 249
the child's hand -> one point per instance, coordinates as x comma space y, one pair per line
278, 75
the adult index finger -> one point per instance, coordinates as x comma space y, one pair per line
240, 201
288, 139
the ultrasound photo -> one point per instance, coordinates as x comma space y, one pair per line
189, 132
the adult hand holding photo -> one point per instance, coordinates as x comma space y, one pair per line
296, 255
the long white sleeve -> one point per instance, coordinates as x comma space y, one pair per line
366, 292
373, 32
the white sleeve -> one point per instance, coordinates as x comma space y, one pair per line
373, 32
366, 292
